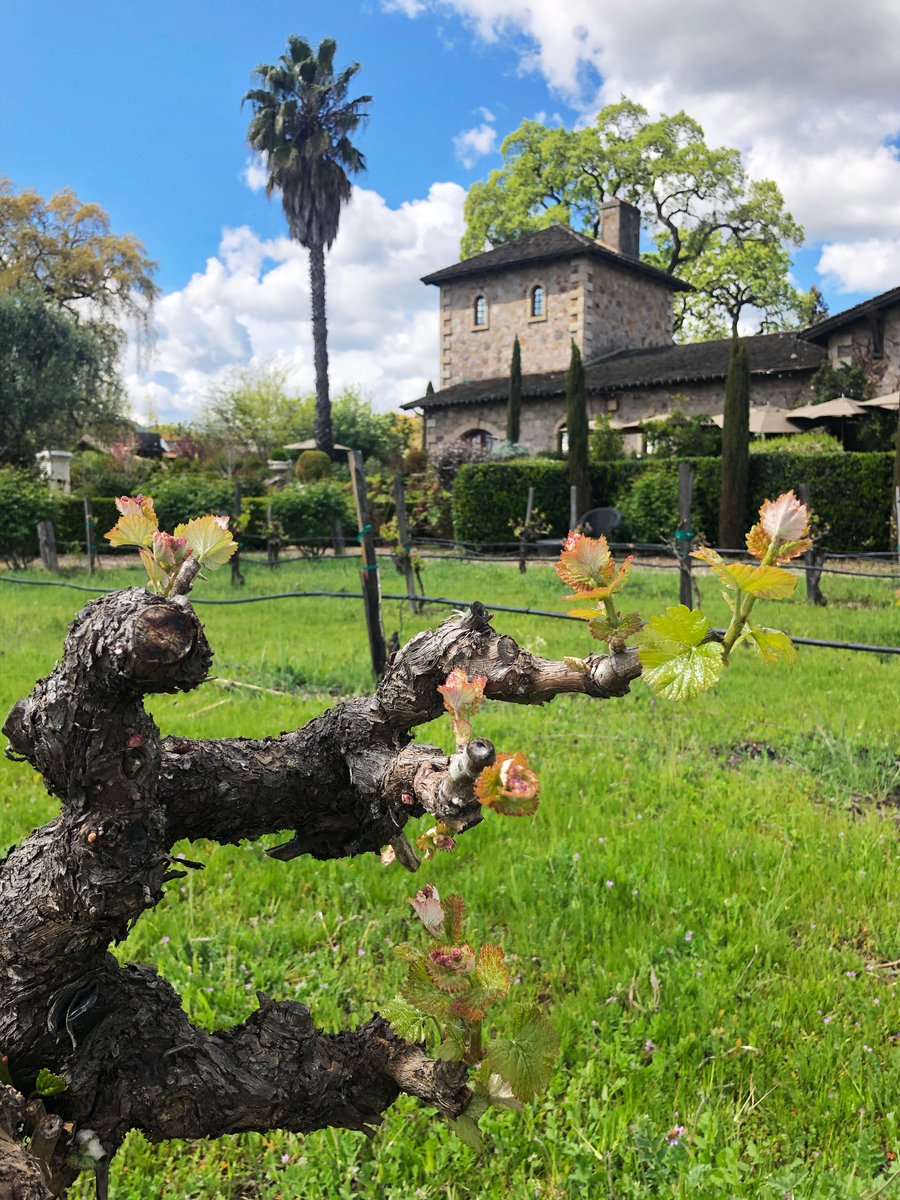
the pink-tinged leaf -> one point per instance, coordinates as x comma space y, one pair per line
137, 506
427, 906
785, 519
585, 563
462, 698
169, 551
449, 967
388, 854
758, 541
766, 583
509, 786
453, 910
610, 589
210, 544
490, 983
135, 529
586, 614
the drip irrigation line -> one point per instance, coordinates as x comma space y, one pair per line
445, 600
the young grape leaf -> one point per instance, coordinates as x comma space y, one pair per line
490, 983
136, 529
211, 542
501, 1094
48, 1084
448, 968
716, 564
406, 1021
771, 644
677, 663
453, 912
766, 583
525, 1060
454, 1041
606, 628
420, 992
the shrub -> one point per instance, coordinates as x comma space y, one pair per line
448, 459
24, 501
307, 512
813, 441
313, 465
188, 494
850, 492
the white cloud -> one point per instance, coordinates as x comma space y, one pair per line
782, 81
868, 266
251, 303
255, 174
472, 144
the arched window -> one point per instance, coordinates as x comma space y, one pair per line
537, 301
480, 313
479, 437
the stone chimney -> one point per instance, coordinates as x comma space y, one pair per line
620, 228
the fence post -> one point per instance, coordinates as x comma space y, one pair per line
684, 535
237, 579
47, 543
273, 543
371, 587
897, 515
523, 541
337, 537
813, 560
573, 508
89, 533
404, 549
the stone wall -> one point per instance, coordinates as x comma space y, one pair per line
853, 343
543, 418
602, 307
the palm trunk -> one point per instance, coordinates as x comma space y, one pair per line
324, 435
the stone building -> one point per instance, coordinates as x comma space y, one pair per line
557, 286
868, 335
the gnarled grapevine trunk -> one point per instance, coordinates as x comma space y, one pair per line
344, 784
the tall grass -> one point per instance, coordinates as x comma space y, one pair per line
703, 902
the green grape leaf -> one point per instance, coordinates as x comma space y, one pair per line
771, 644
678, 664
525, 1060
406, 1021
479, 1104
716, 563
48, 1084
467, 1131
159, 579
210, 540
501, 1094
766, 583
454, 1041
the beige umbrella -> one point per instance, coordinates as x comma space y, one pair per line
840, 406
639, 422
765, 419
891, 400
310, 444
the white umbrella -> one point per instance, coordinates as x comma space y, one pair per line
765, 419
840, 406
891, 400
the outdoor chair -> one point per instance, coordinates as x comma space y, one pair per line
600, 521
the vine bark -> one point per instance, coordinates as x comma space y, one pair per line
344, 784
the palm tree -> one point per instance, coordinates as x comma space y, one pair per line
301, 124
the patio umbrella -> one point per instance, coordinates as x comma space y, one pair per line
891, 400
765, 419
840, 406
310, 444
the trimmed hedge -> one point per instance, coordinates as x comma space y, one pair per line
850, 492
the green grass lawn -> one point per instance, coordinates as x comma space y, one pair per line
739, 850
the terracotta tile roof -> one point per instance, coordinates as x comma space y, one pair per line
769, 354
556, 242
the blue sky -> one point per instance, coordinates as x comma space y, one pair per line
138, 109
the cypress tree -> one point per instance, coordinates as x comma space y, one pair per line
429, 391
514, 403
735, 449
577, 428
